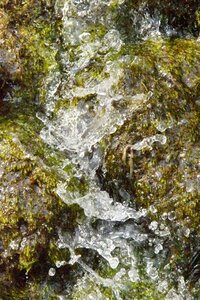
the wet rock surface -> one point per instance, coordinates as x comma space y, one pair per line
150, 19
30, 211
154, 156
99, 149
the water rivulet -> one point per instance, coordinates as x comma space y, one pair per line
99, 149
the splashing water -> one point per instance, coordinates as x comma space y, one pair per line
78, 130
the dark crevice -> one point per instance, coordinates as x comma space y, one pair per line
177, 18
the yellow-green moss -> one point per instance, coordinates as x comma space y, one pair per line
30, 210
30, 51
164, 176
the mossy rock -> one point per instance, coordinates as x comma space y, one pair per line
31, 212
29, 30
10, 63
176, 18
88, 288
162, 171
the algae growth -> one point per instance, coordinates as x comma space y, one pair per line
99, 96
164, 142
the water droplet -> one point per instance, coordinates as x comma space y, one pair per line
186, 232
158, 248
171, 216
60, 263
52, 272
153, 225
14, 245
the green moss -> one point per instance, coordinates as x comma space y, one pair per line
30, 209
165, 175
94, 71
56, 255
97, 31
31, 212
36, 44
31, 50
133, 291
28, 258
198, 17
171, 14
142, 291
107, 271
85, 288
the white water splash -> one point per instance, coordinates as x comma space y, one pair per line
80, 128
99, 204
148, 142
